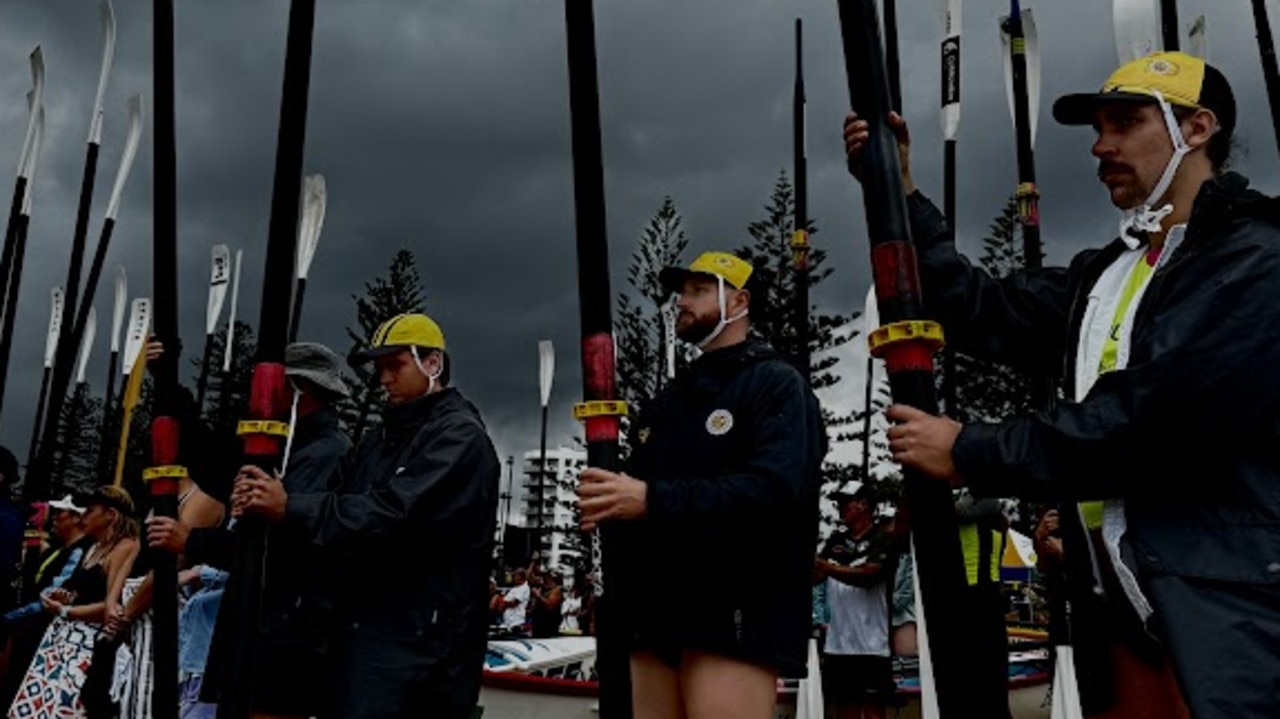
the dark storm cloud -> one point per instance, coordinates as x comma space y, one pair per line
443, 127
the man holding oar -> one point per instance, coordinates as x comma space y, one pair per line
1171, 368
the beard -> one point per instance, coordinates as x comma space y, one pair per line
693, 329
1123, 185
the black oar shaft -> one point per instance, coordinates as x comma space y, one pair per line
1169, 29
893, 63
800, 231
166, 431
28, 491
38, 477
7, 272
12, 288
296, 320
909, 364
268, 393
1270, 70
596, 312
202, 381
106, 453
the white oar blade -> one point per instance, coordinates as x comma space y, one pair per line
219, 279
1066, 686
314, 203
928, 687
1033, 71
86, 345
55, 324
34, 161
546, 369
1137, 28
117, 312
1006, 60
1199, 39
108, 57
951, 70
1033, 68
231, 318
669, 313
139, 331
37, 101
126, 161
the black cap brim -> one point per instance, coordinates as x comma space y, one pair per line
363, 357
673, 278
1082, 108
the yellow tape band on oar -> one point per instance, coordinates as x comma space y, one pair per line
925, 332
600, 408
132, 391
168, 471
259, 426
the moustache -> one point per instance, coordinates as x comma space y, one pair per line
1106, 168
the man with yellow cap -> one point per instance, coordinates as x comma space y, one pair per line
1171, 375
719, 501
410, 528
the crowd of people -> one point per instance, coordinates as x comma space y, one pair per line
537, 603
378, 596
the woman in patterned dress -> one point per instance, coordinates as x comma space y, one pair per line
51, 687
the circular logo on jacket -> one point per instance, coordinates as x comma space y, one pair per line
719, 422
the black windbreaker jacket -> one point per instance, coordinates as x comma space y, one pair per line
1188, 433
732, 454
411, 524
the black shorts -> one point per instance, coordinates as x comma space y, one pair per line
755, 638
857, 679
293, 667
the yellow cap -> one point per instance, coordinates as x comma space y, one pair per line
1183, 80
734, 270
399, 333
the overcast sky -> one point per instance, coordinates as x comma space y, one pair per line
442, 126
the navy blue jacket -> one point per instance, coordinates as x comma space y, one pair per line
1188, 434
732, 453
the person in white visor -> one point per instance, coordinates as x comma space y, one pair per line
1165, 342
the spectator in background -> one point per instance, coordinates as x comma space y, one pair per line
571, 611
52, 686
26, 624
516, 603
857, 565
545, 600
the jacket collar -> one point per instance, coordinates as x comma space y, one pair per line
316, 423
401, 419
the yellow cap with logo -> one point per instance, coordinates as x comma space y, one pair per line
734, 270
1182, 80
400, 333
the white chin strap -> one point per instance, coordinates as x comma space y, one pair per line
431, 378
724, 322
293, 426
1145, 218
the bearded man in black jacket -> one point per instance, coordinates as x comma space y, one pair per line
719, 504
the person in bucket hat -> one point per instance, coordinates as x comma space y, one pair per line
720, 489
411, 519
1172, 386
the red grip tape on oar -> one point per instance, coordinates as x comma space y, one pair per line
162, 477
893, 268
267, 401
